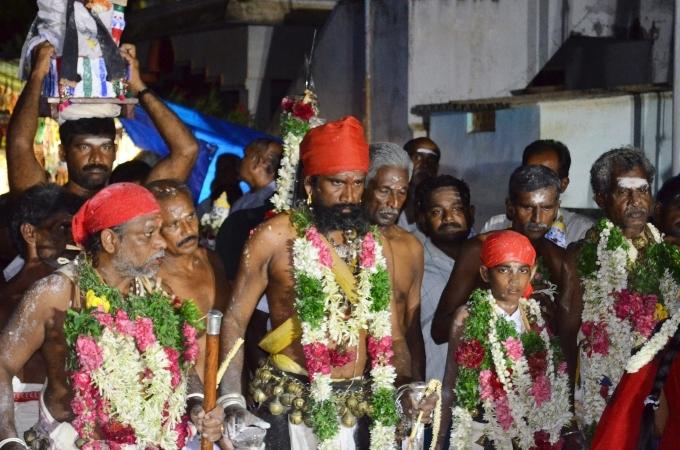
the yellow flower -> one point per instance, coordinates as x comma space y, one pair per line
660, 312
92, 301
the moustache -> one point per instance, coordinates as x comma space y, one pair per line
450, 226
388, 210
635, 212
158, 255
93, 167
536, 227
187, 240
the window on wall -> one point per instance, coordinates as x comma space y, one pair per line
481, 121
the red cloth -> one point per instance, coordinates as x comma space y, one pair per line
335, 147
114, 205
508, 246
619, 426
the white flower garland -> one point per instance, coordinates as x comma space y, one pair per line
527, 416
124, 363
598, 307
339, 330
285, 183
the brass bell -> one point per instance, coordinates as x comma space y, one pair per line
295, 417
299, 403
363, 407
351, 402
30, 436
259, 396
278, 390
286, 399
265, 375
348, 420
276, 408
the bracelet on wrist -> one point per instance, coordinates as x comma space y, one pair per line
143, 92
13, 439
233, 398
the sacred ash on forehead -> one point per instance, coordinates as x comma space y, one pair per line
426, 151
538, 197
631, 182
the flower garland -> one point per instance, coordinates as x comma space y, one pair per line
129, 359
519, 379
330, 326
627, 293
299, 115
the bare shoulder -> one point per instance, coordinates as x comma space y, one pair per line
458, 322
403, 237
574, 250
50, 293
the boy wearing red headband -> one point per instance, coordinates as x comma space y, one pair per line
108, 342
505, 378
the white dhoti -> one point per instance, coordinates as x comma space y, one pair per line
302, 438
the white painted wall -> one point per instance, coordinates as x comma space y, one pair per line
467, 49
589, 127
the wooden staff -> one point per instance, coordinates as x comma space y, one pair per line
212, 349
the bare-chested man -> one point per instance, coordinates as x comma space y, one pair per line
386, 191
597, 337
87, 145
190, 271
40, 228
667, 210
120, 230
532, 205
335, 161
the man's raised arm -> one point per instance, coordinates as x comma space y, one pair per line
23, 169
23, 336
463, 280
182, 144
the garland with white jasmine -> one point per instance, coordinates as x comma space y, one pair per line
128, 359
627, 293
298, 116
519, 379
331, 325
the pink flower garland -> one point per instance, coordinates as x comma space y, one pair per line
638, 309
87, 404
313, 236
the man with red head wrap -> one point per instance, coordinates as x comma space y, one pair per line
327, 240
499, 359
119, 230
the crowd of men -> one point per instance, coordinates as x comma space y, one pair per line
146, 227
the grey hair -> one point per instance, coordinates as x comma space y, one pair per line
625, 159
387, 154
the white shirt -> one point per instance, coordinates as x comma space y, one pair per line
577, 224
438, 267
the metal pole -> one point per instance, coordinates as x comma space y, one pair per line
368, 73
676, 90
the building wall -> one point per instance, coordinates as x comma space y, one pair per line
589, 127
485, 160
467, 49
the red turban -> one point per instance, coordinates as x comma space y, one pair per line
508, 246
114, 205
334, 148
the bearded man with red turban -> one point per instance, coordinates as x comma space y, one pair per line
68, 316
511, 387
327, 284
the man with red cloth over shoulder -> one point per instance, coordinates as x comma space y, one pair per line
335, 350
119, 357
506, 384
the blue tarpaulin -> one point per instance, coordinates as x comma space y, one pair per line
214, 136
